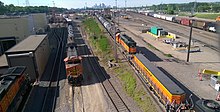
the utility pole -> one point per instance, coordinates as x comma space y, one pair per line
125, 5
53, 3
117, 11
27, 2
190, 35
190, 38
85, 5
18, 2
115, 47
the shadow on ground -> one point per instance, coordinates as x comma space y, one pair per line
148, 54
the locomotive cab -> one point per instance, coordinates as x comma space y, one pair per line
74, 69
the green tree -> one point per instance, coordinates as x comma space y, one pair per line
170, 9
2, 8
216, 8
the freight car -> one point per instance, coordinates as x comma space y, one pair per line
197, 23
108, 26
185, 21
127, 42
167, 90
13, 85
73, 62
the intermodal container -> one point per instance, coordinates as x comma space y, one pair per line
154, 30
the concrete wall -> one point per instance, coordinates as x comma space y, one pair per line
16, 27
22, 27
40, 21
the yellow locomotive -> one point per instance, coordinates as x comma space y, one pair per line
13, 86
127, 42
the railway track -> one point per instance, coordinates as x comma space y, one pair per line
206, 38
114, 96
78, 95
138, 74
144, 81
49, 102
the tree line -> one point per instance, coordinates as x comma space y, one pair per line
213, 7
11, 9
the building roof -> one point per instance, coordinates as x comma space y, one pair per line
171, 86
29, 44
9, 77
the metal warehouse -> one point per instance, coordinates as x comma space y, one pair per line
14, 29
33, 52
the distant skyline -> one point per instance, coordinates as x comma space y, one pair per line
89, 3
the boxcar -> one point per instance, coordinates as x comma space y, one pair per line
165, 88
185, 21
128, 43
200, 24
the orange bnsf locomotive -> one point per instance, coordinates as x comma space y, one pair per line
127, 42
73, 62
13, 86
167, 90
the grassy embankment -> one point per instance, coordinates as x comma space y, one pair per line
212, 16
104, 50
208, 16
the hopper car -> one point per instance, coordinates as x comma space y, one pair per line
127, 42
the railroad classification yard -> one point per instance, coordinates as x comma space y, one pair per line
109, 59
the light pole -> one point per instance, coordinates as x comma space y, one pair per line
190, 38
125, 5
115, 47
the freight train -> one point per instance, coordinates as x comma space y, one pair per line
127, 42
13, 86
196, 23
167, 90
73, 62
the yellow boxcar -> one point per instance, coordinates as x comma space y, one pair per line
165, 88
